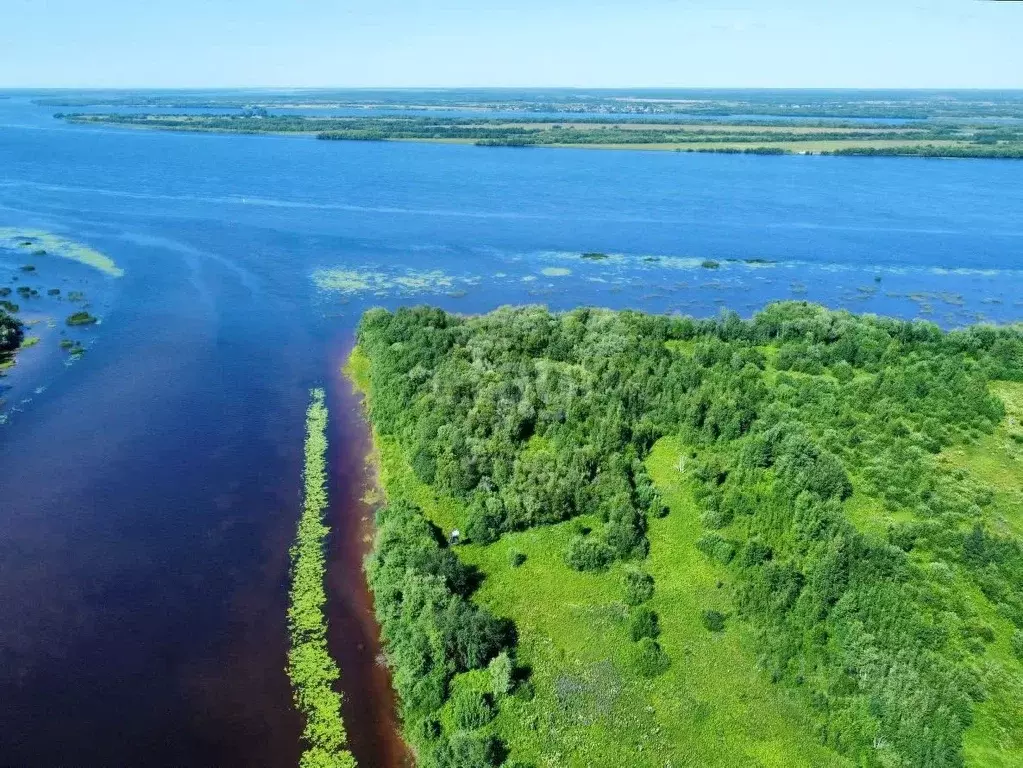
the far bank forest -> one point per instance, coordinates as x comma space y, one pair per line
792, 540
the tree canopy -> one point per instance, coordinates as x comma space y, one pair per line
530, 418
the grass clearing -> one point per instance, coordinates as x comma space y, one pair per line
997, 459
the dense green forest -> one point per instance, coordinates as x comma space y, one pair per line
945, 139
789, 540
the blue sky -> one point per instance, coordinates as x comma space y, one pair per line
587, 43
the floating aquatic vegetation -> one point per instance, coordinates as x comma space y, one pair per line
353, 282
39, 243
927, 297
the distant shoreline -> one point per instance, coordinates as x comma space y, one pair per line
935, 141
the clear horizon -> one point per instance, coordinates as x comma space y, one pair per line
397, 44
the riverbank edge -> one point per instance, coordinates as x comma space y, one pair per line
356, 370
311, 669
419, 729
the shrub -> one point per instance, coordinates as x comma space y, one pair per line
716, 518
1017, 643
473, 709
643, 623
81, 318
429, 728
516, 558
11, 332
639, 587
525, 690
716, 547
485, 520
713, 620
589, 553
650, 659
467, 750
501, 668
843, 372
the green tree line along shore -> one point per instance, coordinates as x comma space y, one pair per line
792, 540
312, 671
929, 139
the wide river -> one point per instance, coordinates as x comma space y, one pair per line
148, 493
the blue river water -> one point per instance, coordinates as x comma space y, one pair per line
148, 493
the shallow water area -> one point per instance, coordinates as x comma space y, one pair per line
44, 288
148, 494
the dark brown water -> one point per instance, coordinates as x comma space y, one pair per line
369, 707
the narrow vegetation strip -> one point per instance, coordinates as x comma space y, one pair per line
312, 671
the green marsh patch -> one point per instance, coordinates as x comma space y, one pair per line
40, 243
375, 282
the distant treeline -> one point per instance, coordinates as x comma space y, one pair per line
1009, 152
727, 103
955, 140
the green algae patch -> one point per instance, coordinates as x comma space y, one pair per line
374, 282
40, 243
312, 670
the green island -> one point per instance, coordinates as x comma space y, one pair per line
793, 540
81, 318
311, 668
924, 139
